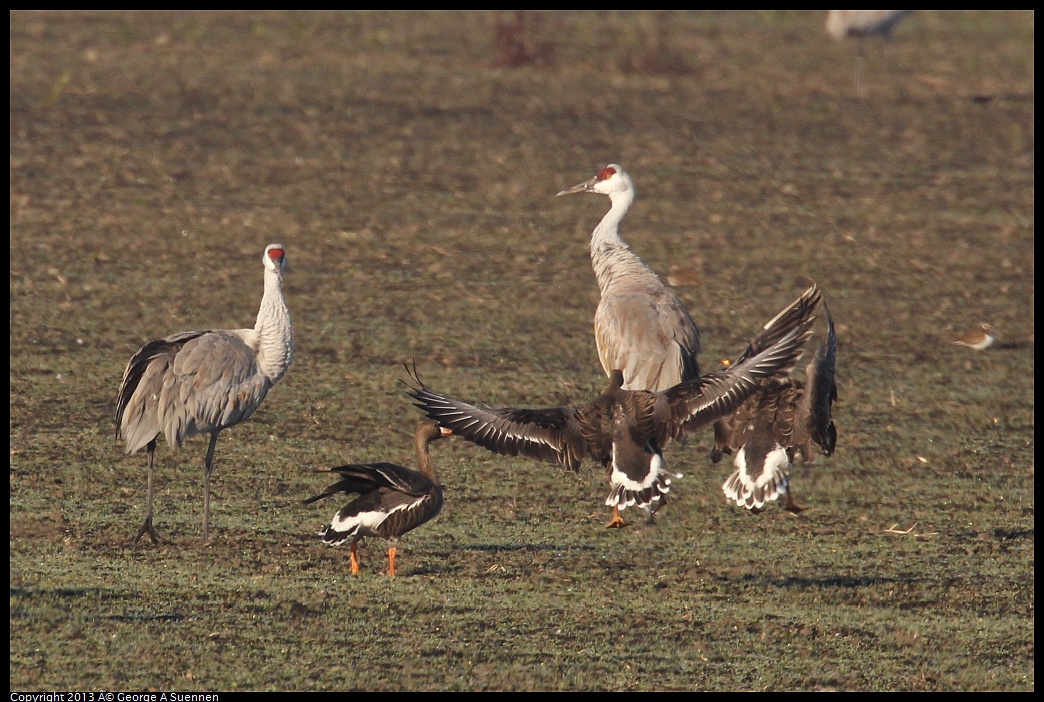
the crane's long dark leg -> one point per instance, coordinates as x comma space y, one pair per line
147, 524
207, 468
860, 68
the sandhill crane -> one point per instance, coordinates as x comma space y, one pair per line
626, 430
641, 327
861, 24
393, 499
783, 418
201, 382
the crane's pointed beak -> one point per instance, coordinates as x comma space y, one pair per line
584, 187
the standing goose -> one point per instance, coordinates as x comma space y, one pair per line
392, 499
783, 418
201, 382
626, 430
641, 327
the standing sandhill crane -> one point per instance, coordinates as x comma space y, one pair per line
641, 327
783, 418
201, 382
392, 499
861, 24
626, 430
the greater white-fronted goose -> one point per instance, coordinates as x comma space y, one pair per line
641, 327
626, 430
393, 499
201, 382
783, 418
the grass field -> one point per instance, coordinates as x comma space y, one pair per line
409, 163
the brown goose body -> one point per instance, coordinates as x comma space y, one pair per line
393, 500
625, 431
784, 418
202, 382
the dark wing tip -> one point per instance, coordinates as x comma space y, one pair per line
411, 370
824, 390
795, 314
415, 387
321, 496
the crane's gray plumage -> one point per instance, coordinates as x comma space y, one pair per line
641, 327
626, 430
861, 24
201, 382
785, 417
393, 499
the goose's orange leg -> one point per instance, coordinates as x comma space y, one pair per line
355, 557
617, 522
391, 561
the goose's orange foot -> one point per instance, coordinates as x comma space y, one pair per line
617, 522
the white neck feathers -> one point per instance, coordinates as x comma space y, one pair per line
275, 337
611, 257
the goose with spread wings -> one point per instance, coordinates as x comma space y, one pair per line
785, 417
626, 430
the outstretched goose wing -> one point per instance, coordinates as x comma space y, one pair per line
821, 390
545, 434
772, 353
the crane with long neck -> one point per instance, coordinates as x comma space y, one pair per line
641, 327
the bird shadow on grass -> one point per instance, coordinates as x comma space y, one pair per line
100, 592
507, 548
836, 581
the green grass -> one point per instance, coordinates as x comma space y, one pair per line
411, 176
